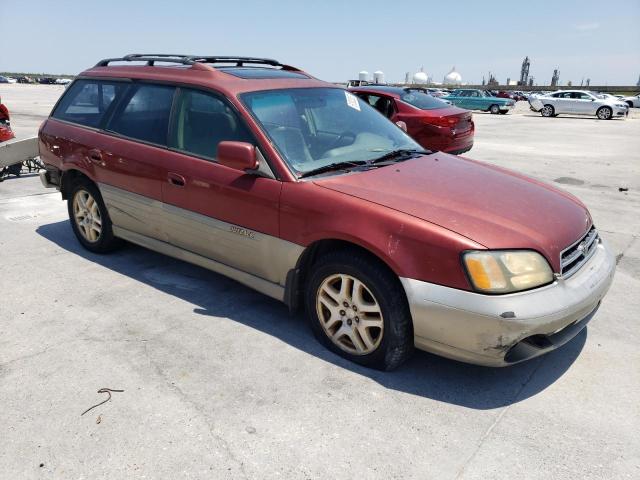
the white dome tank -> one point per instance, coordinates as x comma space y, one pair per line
363, 76
453, 78
420, 77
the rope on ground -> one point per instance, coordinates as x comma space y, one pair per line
102, 390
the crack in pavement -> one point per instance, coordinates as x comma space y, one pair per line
198, 408
498, 419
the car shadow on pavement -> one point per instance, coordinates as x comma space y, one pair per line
424, 374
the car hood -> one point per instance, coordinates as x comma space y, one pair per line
489, 205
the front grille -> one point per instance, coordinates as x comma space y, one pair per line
572, 258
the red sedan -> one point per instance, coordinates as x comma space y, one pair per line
433, 123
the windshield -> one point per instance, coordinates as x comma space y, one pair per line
315, 127
422, 101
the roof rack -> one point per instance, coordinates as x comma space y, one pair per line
151, 58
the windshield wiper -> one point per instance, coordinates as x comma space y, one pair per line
332, 167
398, 154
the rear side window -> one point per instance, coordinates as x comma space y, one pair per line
86, 101
144, 115
422, 101
201, 121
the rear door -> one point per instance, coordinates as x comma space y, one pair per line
215, 211
460, 99
562, 102
133, 158
476, 101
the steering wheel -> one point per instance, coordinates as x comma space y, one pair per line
340, 138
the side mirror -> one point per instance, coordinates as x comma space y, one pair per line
401, 125
237, 155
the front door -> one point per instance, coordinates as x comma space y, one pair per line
215, 211
583, 103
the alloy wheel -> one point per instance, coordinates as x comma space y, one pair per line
350, 315
604, 114
86, 213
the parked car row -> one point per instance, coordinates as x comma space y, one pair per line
303, 191
41, 80
579, 102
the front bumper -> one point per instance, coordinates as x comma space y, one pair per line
500, 330
506, 108
620, 111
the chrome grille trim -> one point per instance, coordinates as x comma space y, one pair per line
576, 255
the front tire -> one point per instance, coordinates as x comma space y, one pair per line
548, 111
90, 219
604, 113
358, 309
494, 109
630, 103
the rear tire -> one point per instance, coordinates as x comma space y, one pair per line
90, 219
604, 113
494, 109
357, 308
548, 111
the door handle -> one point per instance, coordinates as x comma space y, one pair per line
95, 156
175, 179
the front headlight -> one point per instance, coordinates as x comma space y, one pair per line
507, 271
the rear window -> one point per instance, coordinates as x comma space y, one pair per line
422, 100
145, 114
86, 101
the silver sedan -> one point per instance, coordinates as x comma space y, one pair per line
578, 102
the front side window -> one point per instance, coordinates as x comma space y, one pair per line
145, 114
86, 101
383, 104
201, 121
317, 127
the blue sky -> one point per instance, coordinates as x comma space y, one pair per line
333, 40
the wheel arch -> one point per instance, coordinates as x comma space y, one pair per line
605, 107
297, 277
69, 177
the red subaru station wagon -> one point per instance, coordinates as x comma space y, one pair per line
303, 191
433, 123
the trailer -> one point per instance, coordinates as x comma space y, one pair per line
18, 154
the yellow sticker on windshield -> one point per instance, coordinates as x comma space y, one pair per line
352, 100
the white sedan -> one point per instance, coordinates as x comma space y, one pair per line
632, 101
578, 102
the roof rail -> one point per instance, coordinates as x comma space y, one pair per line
151, 58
